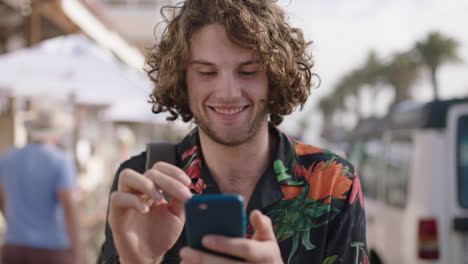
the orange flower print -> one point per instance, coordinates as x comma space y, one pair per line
364, 259
290, 192
193, 170
356, 192
304, 149
198, 187
325, 180
250, 231
298, 171
189, 152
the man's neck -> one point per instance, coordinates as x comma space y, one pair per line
237, 169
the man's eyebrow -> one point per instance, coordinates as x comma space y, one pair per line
203, 62
249, 62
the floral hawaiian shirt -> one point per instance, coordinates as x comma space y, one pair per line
312, 196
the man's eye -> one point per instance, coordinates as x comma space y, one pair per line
248, 73
211, 73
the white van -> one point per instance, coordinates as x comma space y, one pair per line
413, 167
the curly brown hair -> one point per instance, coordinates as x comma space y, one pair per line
259, 25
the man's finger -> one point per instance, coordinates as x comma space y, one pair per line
169, 185
192, 256
124, 201
248, 249
177, 207
173, 171
133, 182
262, 226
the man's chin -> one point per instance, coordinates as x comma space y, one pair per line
229, 140
235, 135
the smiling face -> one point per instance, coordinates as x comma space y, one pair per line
226, 88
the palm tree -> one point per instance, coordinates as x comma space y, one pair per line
328, 106
434, 51
401, 73
349, 87
372, 68
372, 74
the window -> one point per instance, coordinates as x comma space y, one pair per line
366, 156
397, 165
462, 160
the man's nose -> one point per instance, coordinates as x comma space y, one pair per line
228, 87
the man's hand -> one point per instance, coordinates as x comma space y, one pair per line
262, 248
144, 224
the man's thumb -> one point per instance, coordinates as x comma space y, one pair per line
262, 226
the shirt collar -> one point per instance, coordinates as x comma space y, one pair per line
284, 170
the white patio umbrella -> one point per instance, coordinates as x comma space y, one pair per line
74, 64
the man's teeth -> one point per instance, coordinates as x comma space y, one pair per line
228, 111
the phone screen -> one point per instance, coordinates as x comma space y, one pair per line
218, 214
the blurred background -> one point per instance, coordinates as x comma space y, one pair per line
381, 64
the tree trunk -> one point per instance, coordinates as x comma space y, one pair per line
327, 126
401, 94
435, 84
3, 45
375, 93
33, 32
357, 107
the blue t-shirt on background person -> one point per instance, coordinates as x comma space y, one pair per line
30, 178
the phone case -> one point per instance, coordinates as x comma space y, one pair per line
219, 214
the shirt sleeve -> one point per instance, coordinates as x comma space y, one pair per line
346, 240
1, 171
3, 167
108, 253
66, 175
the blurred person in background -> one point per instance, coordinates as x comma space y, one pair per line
236, 67
37, 186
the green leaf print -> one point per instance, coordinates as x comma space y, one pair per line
294, 247
330, 260
328, 162
295, 218
345, 171
317, 211
306, 240
280, 171
295, 183
360, 246
301, 225
291, 218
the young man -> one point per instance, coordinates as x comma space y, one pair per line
236, 67
37, 186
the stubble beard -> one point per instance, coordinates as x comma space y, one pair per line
253, 128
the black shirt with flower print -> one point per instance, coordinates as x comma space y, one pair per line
312, 196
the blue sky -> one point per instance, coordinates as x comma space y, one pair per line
344, 31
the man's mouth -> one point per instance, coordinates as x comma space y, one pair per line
228, 110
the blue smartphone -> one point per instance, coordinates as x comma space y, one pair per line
219, 214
